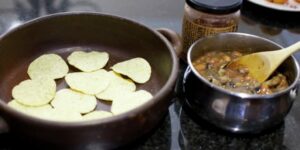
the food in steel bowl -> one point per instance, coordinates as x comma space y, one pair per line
212, 66
235, 111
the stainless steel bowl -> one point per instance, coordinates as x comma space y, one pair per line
232, 111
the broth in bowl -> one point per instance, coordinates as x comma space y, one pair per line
212, 66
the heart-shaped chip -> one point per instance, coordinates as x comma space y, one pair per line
35, 92
88, 82
130, 101
88, 61
138, 69
28, 109
48, 66
59, 115
118, 85
74, 101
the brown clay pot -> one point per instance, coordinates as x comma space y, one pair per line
122, 39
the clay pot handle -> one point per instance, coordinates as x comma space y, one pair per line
173, 38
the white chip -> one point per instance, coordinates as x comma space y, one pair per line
89, 82
88, 61
74, 101
138, 69
48, 66
34, 92
97, 115
46, 112
30, 110
117, 86
60, 115
130, 101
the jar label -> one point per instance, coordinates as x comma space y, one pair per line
192, 31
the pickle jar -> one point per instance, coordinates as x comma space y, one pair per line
208, 17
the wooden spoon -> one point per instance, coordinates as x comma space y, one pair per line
262, 64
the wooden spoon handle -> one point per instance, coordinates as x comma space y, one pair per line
281, 55
292, 49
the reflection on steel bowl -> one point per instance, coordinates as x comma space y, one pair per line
212, 66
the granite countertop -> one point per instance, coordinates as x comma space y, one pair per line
178, 130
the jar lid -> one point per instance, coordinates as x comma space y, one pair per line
215, 6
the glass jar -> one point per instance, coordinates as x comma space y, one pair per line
208, 17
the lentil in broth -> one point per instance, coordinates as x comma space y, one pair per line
212, 66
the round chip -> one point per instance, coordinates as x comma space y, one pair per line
130, 101
88, 61
60, 115
138, 69
28, 109
116, 87
74, 101
97, 115
48, 66
88, 82
35, 92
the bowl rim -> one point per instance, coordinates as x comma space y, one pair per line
239, 94
163, 92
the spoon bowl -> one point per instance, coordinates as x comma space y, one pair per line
262, 64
